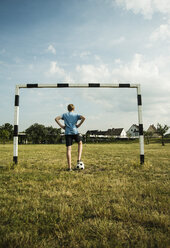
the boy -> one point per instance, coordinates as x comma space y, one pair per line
71, 132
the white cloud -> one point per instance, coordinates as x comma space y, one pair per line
55, 69
90, 73
58, 72
145, 7
153, 75
97, 58
51, 49
82, 55
117, 61
138, 70
161, 33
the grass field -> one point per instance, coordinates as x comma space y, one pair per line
114, 202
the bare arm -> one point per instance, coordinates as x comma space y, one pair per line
81, 122
57, 119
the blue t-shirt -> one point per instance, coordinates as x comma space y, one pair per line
70, 120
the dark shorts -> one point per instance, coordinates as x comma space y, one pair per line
70, 138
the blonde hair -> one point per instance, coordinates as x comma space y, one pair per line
70, 107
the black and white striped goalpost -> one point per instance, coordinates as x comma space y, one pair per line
90, 85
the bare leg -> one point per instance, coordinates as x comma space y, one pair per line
69, 156
80, 147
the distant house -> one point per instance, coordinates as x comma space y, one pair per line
117, 133
133, 131
92, 133
110, 133
153, 130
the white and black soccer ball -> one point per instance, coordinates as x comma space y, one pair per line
80, 165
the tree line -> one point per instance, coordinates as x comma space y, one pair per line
6, 132
36, 134
39, 134
161, 130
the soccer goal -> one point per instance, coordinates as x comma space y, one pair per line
64, 85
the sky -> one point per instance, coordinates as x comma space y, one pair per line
85, 41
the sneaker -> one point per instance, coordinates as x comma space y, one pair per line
68, 169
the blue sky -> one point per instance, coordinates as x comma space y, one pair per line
82, 41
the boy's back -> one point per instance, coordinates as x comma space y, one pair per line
71, 132
70, 120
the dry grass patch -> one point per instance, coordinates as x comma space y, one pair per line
114, 202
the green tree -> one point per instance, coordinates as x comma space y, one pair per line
4, 135
148, 135
8, 127
53, 135
36, 133
161, 130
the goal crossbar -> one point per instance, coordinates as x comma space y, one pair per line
70, 85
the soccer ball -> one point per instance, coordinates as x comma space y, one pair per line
80, 166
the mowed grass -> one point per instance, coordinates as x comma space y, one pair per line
114, 202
